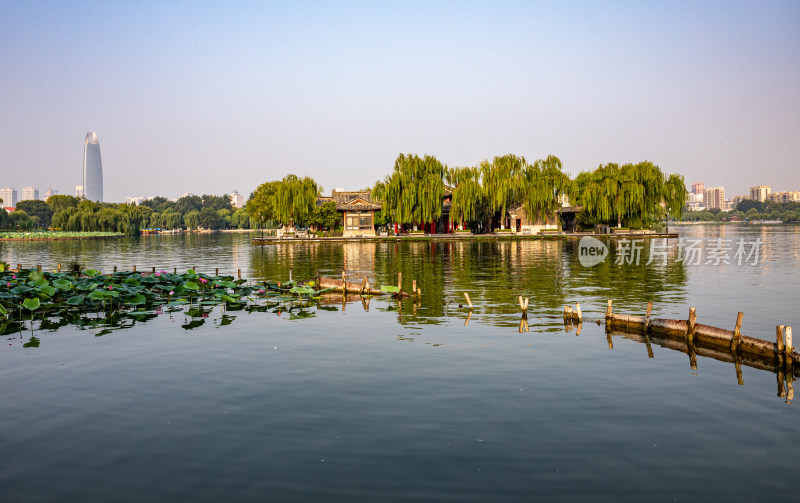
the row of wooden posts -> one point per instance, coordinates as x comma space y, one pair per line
733, 340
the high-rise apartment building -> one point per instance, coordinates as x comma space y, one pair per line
92, 168
237, 200
698, 187
30, 193
49, 192
79, 191
9, 197
785, 197
714, 198
760, 193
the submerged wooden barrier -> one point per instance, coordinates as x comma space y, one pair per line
732, 342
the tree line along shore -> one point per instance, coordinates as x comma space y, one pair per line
413, 195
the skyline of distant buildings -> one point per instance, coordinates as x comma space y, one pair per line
701, 198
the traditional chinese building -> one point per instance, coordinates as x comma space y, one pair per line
522, 223
357, 210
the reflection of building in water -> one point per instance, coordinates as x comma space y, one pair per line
359, 257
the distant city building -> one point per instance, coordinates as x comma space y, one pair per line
738, 199
714, 198
79, 191
49, 192
187, 194
760, 193
237, 200
30, 193
698, 188
785, 197
134, 200
92, 168
9, 197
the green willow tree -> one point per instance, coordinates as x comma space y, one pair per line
413, 192
503, 183
468, 195
296, 199
633, 192
290, 201
544, 186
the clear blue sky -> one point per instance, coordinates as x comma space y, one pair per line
216, 96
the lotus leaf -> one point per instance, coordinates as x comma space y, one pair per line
31, 304
76, 300
191, 285
63, 284
47, 290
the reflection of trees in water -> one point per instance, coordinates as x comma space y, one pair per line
494, 272
273, 262
630, 284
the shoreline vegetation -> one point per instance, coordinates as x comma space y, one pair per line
421, 194
482, 198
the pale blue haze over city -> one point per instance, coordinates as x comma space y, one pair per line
216, 96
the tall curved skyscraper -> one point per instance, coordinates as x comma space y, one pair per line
92, 168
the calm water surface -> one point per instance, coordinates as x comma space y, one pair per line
397, 402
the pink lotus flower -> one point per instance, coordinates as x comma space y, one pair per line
110, 287
13, 276
158, 274
171, 292
261, 291
8, 285
203, 280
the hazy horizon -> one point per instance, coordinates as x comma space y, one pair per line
214, 97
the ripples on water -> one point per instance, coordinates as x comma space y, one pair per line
388, 405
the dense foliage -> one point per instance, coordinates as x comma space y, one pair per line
749, 211
290, 201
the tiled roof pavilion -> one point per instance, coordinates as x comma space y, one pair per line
360, 200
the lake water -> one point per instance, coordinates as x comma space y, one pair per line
388, 401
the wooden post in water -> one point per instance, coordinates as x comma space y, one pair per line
363, 285
737, 336
344, 283
414, 287
608, 309
779, 341
789, 349
578, 312
290, 275
134, 268
469, 302
647, 316
526, 304
19, 267
691, 323
174, 270
115, 268
216, 272
39, 267
400, 281
239, 274
521, 304
781, 379
59, 267
154, 269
